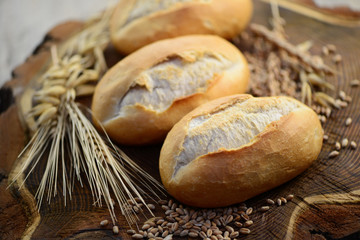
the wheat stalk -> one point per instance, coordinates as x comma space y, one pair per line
60, 127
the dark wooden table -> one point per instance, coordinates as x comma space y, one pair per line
327, 195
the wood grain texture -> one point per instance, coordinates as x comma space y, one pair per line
327, 195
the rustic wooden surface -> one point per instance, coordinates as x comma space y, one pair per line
327, 195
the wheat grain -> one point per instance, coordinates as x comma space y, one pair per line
104, 223
355, 83
115, 230
344, 142
325, 137
333, 154
290, 197
264, 208
348, 121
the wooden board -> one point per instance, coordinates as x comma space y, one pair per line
327, 195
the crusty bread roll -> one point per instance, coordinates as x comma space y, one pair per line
136, 23
145, 94
233, 148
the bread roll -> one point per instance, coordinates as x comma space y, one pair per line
136, 23
233, 148
145, 94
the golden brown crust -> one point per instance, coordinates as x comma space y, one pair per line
225, 18
282, 151
143, 125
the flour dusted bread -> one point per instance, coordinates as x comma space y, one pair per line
233, 148
145, 94
136, 23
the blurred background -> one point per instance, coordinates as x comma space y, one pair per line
24, 23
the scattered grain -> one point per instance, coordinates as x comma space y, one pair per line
155, 230
165, 233
197, 228
213, 237
270, 201
278, 201
180, 211
248, 223
165, 207
211, 215
266, 208
342, 95
348, 121
238, 224
174, 214
188, 225
342, 104
170, 203
353, 145
355, 83
237, 217
328, 112
168, 237
136, 209
222, 220
131, 231
160, 221
230, 229
344, 142
283, 200
348, 99
170, 219
104, 223
234, 234
337, 146
217, 222
168, 212
202, 235
337, 58
229, 219
219, 236
249, 211
184, 233
137, 236
145, 227
325, 51
151, 206
325, 137
244, 231
322, 118
209, 232
162, 202
174, 206
193, 234
245, 216
333, 154
331, 48
175, 226
290, 197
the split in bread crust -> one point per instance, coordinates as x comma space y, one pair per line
137, 23
140, 98
236, 147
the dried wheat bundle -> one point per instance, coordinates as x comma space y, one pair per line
64, 136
